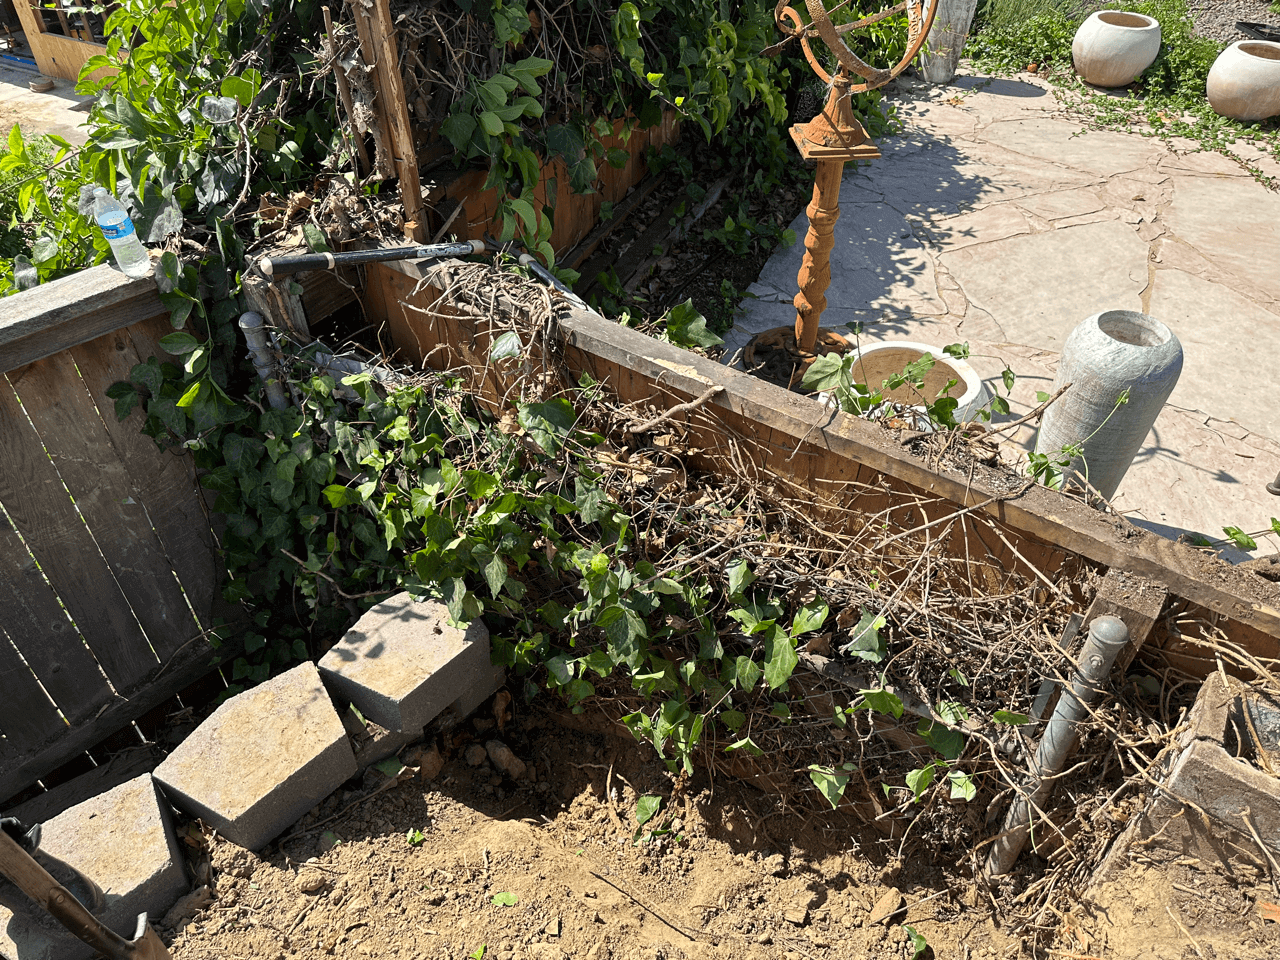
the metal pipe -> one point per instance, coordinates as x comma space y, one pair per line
260, 353
275, 267
1107, 637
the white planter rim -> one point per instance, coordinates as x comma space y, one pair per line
1261, 49
975, 390
1125, 20
1134, 328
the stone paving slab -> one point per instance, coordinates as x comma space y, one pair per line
995, 218
60, 111
403, 663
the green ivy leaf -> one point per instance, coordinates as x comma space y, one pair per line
686, 327
918, 780
646, 807
780, 657
918, 943
1010, 718
962, 786
810, 617
882, 701
740, 577
826, 373
505, 899
548, 423
1240, 538
829, 783
867, 644
948, 742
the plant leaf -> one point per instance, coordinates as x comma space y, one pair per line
646, 807
505, 899
810, 617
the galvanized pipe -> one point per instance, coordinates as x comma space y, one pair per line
260, 353
1107, 637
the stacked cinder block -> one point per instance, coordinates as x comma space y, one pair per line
402, 665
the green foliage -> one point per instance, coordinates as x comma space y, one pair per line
171, 134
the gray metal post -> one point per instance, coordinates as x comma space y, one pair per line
1107, 637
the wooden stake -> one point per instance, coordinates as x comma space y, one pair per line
351, 134
378, 46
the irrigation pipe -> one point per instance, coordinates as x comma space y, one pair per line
1107, 637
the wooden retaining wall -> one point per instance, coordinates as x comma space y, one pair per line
107, 566
793, 437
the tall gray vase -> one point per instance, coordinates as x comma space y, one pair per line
1105, 355
941, 54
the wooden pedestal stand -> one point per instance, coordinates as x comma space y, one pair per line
832, 138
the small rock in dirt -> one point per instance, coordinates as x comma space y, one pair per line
187, 907
553, 928
310, 881
430, 764
775, 866
474, 754
797, 914
886, 907
765, 938
500, 756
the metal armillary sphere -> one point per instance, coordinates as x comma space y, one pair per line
831, 139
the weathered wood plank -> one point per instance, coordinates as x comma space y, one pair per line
25, 712
32, 493
31, 616
40, 322
164, 483
59, 405
186, 667
1136, 601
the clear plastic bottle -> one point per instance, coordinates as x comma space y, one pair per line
113, 219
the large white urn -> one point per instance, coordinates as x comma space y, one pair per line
1244, 82
1112, 48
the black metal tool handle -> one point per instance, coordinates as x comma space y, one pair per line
281, 266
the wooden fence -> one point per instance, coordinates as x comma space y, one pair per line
107, 563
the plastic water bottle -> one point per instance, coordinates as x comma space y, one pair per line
113, 218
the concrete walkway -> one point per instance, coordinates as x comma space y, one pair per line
60, 111
995, 219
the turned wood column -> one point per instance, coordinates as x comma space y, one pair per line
815, 271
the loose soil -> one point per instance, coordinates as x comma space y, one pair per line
739, 874
469, 863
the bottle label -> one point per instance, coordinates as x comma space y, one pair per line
116, 231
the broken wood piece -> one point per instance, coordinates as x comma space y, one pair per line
351, 132
580, 254
677, 409
677, 234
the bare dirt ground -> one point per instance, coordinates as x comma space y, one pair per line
740, 874
472, 864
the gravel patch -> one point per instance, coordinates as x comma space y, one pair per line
1217, 19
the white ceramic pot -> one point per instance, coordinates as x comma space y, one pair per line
1244, 83
876, 362
1105, 355
1112, 48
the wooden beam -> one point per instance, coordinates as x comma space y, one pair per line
351, 132
1136, 601
378, 46
52, 317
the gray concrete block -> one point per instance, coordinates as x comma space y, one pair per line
402, 664
123, 840
262, 759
